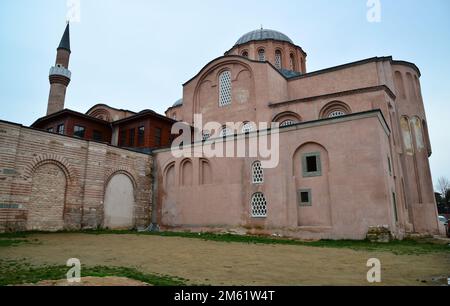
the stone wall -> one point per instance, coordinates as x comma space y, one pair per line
54, 182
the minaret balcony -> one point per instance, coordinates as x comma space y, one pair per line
60, 71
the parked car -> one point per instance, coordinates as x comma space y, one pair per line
444, 221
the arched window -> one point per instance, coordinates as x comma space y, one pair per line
247, 128
261, 55
257, 173
288, 122
225, 91
416, 123
225, 132
245, 54
278, 59
334, 109
407, 135
206, 135
287, 119
292, 61
337, 113
259, 205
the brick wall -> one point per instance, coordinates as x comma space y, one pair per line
52, 182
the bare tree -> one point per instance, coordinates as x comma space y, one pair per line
443, 186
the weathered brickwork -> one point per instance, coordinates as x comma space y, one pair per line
54, 182
48, 192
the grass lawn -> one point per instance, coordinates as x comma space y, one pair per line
20, 272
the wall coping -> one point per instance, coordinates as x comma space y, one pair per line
71, 137
336, 95
377, 113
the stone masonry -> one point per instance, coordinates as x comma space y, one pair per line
55, 182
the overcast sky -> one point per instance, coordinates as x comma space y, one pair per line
136, 54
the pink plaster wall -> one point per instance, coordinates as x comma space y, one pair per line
353, 193
358, 181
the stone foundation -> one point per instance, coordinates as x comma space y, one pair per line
380, 234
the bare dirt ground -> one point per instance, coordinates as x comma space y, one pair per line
221, 263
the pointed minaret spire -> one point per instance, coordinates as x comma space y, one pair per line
60, 75
65, 40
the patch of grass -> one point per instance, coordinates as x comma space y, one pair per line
20, 272
10, 242
12, 239
403, 247
398, 247
13, 235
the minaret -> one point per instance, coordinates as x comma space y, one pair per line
60, 75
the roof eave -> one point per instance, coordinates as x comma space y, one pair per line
68, 112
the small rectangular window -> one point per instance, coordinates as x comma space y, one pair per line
158, 133
132, 132
79, 131
50, 130
304, 197
97, 136
61, 129
141, 134
123, 138
311, 165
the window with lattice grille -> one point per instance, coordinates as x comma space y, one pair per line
257, 173
278, 59
245, 54
225, 132
206, 135
225, 88
259, 206
247, 128
261, 55
288, 122
337, 113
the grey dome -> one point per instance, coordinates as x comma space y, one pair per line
178, 103
263, 34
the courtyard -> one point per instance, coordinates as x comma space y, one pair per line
208, 259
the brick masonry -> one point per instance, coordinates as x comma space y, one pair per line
54, 182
